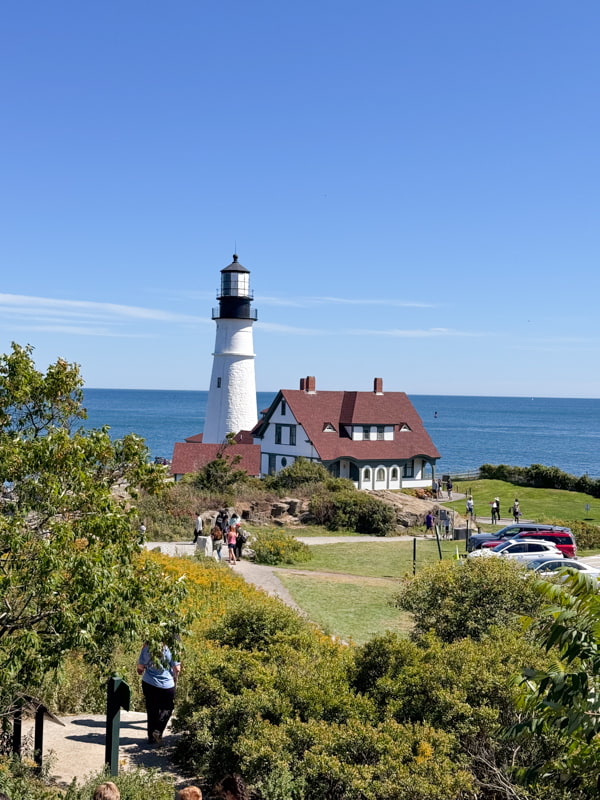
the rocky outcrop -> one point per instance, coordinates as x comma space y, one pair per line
411, 511
291, 512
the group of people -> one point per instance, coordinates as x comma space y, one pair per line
437, 487
110, 791
225, 530
228, 529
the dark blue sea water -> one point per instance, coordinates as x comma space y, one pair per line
468, 431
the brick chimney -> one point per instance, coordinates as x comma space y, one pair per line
310, 385
378, 386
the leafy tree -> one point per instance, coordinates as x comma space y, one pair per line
71, 573
458, 599
563, 700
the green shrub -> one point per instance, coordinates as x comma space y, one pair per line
458, 599
541, 477
278, 547
353, 511
301, 473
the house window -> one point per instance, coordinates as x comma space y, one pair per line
272, 464
218, 383
366, 432
380, 432
380, 474
394, 475
367, 474
284, 462
408, 469
283, 408
293, 435
277, 434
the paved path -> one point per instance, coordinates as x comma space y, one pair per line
77, 750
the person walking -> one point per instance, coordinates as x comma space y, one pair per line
494, 511
159, 678
429, 522
516, 509
497, 500
434, 489
470, 507
231, 544
198, 527
449, 488
217, 541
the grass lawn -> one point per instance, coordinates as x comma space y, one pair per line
534, 503
376, 559
354, 611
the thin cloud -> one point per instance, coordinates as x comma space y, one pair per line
74, 330
274, 327
84, 317
411, 334
307, 302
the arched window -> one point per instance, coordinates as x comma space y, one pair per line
367, 474
381, 474
394, 475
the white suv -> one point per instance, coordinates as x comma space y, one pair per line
522, 550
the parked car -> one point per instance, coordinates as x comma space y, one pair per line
564, 540
522, 550
477, 539
547, 567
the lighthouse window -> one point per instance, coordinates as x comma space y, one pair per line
293, 435
278, 434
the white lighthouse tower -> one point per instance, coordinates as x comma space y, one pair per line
232, 395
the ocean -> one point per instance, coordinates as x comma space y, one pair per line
468, 431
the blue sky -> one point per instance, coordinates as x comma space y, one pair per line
413, 185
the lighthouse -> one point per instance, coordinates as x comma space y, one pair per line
231, 403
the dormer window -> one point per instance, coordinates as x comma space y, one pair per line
366, 432
283, 408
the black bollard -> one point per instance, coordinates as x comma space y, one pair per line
118, 695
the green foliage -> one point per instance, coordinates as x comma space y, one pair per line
271, 699
71, 577
133, 785
456, 599
278, 547
301, 473
540, 476
220, 476
562, 700
353, 510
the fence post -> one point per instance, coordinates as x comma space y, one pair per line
118, 695
414, 555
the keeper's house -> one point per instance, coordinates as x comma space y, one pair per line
375, 439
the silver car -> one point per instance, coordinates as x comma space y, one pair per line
521, 550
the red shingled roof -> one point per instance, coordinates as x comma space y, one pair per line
314, 410
190, 456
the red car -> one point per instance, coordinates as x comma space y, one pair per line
563, 540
